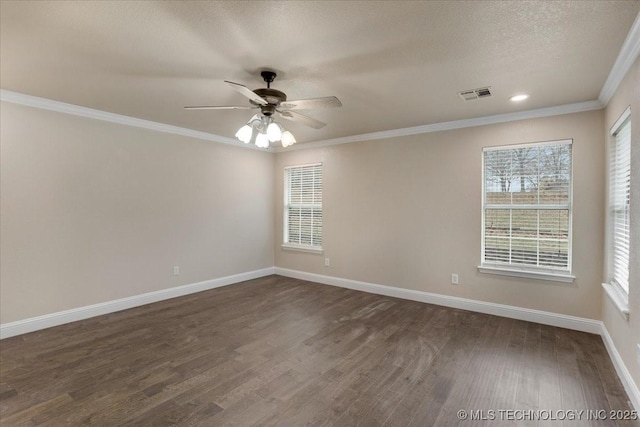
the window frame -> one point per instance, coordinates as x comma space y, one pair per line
285, 214
522, 270
616, 292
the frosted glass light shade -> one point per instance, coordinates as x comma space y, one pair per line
244, 134
262, 140
287, 139
274, 132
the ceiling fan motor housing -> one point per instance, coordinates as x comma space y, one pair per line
273, 97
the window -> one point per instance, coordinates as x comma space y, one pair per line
303, 207
619, 189
526, 215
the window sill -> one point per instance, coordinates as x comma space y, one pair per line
527, 274
296, 248
619, 299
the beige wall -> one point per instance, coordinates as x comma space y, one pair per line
626, 333
406, 212
94, 211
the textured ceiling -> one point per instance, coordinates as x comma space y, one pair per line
392, 64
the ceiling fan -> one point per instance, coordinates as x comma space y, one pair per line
261, 128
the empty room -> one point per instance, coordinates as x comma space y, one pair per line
337, 213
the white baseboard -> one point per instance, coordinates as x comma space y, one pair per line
54, 319
625, 377
537, 316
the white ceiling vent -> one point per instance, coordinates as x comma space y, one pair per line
482, 92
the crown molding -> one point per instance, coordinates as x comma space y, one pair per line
62, 107
456, 124
76, 110
627, 56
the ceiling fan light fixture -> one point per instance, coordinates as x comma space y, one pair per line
261, 130
287, 139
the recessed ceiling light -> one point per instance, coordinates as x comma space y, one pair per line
517, 98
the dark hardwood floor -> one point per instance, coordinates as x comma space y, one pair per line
283, 351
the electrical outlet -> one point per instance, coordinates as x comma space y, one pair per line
454, 279
327, 262
176, 270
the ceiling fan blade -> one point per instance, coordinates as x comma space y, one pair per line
305, 104
247, 92
223, 107
301, 118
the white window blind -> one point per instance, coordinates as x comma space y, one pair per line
303, 206
619, 190
527, 207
